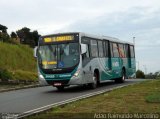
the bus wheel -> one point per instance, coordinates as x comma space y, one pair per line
95, 82
60, 88
122, 78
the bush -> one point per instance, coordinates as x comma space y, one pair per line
140, 74
5, 75
158, 77
4, 37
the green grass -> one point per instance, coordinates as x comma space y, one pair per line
138, 98
15, 57
153, 97
18, 60
27, 75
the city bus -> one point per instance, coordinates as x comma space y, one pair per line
77, 58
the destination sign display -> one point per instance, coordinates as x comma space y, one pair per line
58, 38
49, 63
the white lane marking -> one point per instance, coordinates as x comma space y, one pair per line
37, 110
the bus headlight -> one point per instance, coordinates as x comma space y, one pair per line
77, 73
41, 76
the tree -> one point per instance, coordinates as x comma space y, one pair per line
150, 76
35, 36
23, 34
13, 35
27, 37
3, 28
3, 33
140, 74
157, 73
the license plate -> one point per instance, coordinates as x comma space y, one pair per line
57, 84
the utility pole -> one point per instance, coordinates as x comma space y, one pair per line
134, 40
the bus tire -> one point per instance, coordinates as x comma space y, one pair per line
60, 88
95, 82
122, 78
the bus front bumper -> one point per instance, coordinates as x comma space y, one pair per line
74, 80
65, 82
42, 80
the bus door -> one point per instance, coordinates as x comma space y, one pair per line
122, 55
115, 60
107, 54
130, 55
86, 59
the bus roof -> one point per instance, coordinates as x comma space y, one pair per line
113, 39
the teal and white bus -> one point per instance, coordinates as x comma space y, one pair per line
77, 58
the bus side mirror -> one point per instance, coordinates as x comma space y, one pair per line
35, 51
83, 48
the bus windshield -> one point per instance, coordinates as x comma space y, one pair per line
59, 56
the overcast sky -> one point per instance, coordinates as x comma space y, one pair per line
123, 19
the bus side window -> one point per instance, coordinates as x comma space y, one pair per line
100, 49
132, 54
105, 48
127, 51
94, 50
115, 50
121, 50
124, 48
111, 49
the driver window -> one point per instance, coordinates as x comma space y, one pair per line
86, 56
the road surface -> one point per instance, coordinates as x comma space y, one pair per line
20, 101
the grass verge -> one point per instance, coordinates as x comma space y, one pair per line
17, 63
17, 57
138, 98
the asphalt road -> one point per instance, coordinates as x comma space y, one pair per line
20, 101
